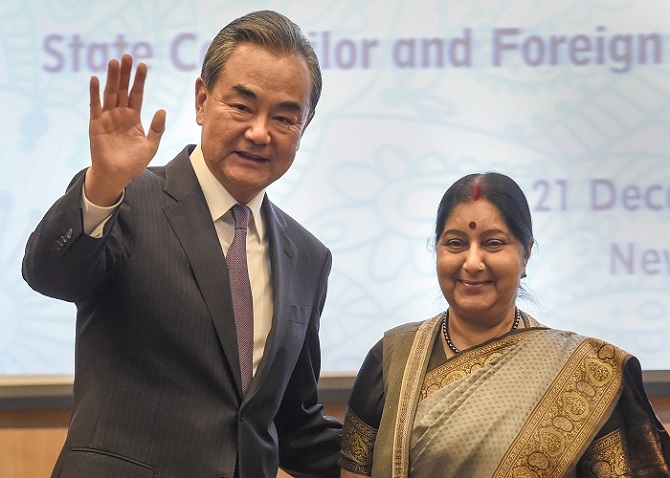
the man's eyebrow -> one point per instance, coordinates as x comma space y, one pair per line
286, 105
291, 106
244, 91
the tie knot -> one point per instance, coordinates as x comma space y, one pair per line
241, 216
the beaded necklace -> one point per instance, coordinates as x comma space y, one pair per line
445, 327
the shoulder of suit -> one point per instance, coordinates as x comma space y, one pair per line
293, 228
181, 160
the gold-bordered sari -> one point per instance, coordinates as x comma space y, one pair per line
535, 403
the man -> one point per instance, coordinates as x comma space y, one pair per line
161, 386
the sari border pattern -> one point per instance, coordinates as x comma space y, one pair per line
563, 423
409, 391
607, 457
358, 441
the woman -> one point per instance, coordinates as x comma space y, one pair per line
483, 389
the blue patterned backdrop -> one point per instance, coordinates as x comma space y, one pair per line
569, 97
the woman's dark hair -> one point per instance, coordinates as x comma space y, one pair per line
501, 191
267, 29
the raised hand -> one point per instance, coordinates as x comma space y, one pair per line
120, 149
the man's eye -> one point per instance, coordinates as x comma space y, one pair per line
287, 120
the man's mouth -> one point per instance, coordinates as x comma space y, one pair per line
251, 157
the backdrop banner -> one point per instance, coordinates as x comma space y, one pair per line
571, 98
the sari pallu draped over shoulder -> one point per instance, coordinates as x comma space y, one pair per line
528, 404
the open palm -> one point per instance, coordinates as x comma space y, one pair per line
120, 148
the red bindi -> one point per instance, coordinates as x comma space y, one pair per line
472, 225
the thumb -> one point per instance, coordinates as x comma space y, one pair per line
157, 128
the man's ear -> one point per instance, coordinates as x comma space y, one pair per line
309, 120
201, 94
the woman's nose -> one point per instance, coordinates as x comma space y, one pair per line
474, 260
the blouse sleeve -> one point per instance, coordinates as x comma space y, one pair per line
363, 415
633, 442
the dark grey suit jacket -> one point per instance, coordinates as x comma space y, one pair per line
157, 388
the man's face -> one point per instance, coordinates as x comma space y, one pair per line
253, 118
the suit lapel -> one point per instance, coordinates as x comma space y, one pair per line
191, 222
282, 251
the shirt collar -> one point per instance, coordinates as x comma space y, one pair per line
219, 200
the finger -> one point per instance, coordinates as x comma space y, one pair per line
94, 92
111, 85
137, 93
124, 80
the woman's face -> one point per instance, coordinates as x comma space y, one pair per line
479, 262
